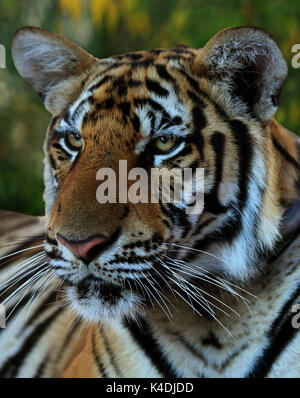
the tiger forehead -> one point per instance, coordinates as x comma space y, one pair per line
121, 84
130, 70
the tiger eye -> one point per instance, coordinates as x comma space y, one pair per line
74, 140
164, 143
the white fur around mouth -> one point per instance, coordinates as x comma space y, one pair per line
108, 306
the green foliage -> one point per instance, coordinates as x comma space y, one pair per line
106, 27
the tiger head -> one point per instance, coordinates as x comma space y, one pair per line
210, 109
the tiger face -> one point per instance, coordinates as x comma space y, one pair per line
181, 108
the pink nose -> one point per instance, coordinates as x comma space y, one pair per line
86, 250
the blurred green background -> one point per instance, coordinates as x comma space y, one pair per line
107, 27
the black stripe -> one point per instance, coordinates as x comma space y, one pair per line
196, 99
218, 144
199, 122
52, 123
189, 346
80, 107
167, 224
40, 370
60, 148
108, 103
134, 83
212, 340
187, 150
280, 333
164, 74
152, 118
120, 86
165, 123
61, 158
11, 367
101, 82
157, 51
211, 199
67, 116
203, 225
136, 123
231, 357
54, 256
156, 88
284, 153
125, 109
144, 337
192, 82
110, 354
52, 162
182, 50
167, 212
133, 56
155, 105
98, 361
51, 241
142, 64
245, 153
180, 215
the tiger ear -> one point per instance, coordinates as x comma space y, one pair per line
51, 64
248, 66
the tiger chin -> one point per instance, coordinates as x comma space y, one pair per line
176, 273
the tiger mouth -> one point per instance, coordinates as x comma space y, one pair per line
98, 300
104, 291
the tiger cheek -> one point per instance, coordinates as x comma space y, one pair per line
152, 216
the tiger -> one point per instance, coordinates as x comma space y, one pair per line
148, 289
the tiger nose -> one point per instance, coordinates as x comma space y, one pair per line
86, 250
